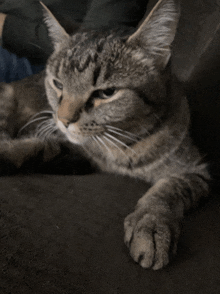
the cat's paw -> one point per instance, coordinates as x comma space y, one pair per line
151, 239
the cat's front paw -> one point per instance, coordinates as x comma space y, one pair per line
151, 238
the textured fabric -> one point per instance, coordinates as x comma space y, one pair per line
64, 234
25, 32
29, 39
13, 68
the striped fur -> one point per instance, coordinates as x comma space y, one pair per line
113, 96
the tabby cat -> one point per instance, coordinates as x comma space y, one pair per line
113, 97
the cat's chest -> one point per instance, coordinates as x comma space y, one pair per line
121, 163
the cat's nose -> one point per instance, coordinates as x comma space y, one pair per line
69, 112
67, 121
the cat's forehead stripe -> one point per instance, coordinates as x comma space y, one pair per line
96, 74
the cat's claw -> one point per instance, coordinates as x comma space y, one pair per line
151, 239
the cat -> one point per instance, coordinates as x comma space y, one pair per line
113, 97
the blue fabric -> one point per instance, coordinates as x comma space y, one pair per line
13, 68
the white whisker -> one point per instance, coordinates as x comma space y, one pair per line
37, 46
42, 112
44, 126
85, 148
31, 122
41, 125
49, 112
121, 130
49, 133
110, 141
125, 136
103, 143
120, 142
46, 131
94, 138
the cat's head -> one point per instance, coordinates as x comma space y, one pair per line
96, 81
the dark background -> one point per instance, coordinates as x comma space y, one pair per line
64, 233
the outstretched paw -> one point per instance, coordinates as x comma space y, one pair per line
151, 238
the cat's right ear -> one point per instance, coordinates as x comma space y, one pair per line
56, 32
156, 33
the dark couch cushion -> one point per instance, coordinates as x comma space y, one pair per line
64, 234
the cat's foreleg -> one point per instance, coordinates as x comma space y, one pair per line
7, 107
152, 230
15, 153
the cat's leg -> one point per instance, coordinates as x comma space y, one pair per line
152, 230
7, 107
14, 153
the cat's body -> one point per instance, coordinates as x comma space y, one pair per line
115, 99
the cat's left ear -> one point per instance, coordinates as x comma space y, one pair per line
56, 32
157, 31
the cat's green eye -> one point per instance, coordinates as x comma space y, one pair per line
107, 93
58, 84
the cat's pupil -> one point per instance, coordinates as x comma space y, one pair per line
58, 84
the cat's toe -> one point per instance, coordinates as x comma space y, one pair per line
150, 240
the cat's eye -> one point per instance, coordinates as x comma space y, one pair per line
58, 84
107, 93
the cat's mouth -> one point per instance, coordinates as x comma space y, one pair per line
105, 135
72, 133
79, 134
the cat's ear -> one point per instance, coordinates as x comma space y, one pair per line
157, 31
56, 32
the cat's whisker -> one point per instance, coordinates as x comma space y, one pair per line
115, 145
31, 122
126, 132
32, 119
42, 112
121, 134
41, 125
120, 142
103, 143
97, 142
35, 45
44, 126
49, 133
45, 133
94, 138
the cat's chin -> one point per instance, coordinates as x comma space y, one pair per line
72, 137
76, 140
